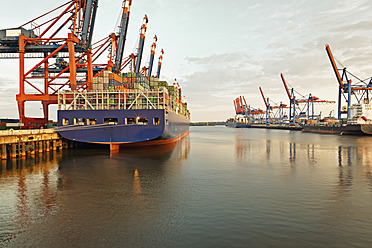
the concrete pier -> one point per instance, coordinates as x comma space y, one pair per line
23, 143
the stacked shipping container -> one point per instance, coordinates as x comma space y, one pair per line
108, 81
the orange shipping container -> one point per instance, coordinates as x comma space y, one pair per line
115, 77
166, 99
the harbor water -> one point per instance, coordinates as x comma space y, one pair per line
218, 187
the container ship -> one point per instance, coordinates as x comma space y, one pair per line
134, 108
124, 109
360, 122
240, 121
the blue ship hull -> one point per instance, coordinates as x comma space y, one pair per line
168, 126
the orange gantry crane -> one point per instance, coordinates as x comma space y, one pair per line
114, 44
64, 32
253, 115
274, 114
301, 107
359, 89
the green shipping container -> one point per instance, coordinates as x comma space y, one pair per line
163, 83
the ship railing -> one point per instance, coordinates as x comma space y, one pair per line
119, 99
112, 99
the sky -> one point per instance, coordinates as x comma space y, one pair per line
219, 50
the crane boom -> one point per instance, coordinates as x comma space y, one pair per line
122, 35
160, 62
262, 94
141, 43
236, 110
153, 47
334, 66
246, 105
95, 6
285, 86
87, 22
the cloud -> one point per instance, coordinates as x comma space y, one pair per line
8, 90
218, 80
358, 26
220, 59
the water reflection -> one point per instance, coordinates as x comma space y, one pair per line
344, 154
283, 148
136, 183
292, 152
26, 192
35, 189
227, 188
316, 151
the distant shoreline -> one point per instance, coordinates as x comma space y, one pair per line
207, 123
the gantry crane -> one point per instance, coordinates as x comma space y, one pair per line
40, 41
114, 44
122, 36
274, 113
241, 107
241, 110
159, 63
141, 43
252, 115
153, 47
301, 107
347, 89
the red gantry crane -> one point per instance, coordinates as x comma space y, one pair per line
114, 44
66, 34
153, 47
251, 114
159, 63
360, 89
141, 43
274, 114
301, 107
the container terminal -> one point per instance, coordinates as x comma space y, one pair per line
354, 108
118, 102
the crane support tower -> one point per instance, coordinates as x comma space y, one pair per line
301, 108
159, 63
348, 90
48, 43
274, 114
